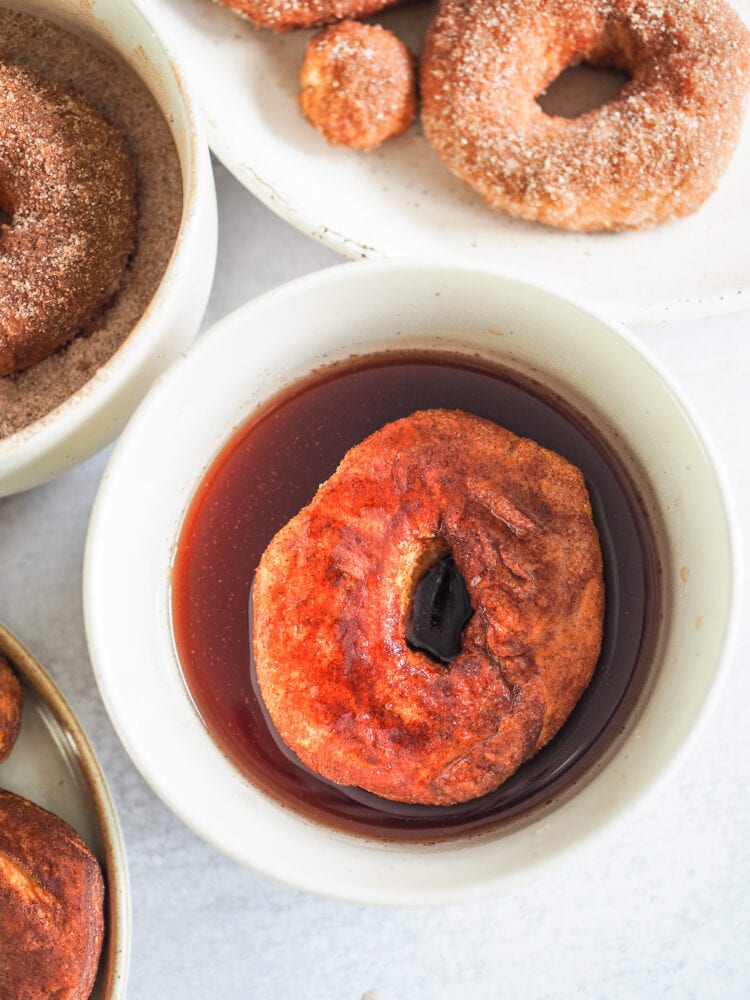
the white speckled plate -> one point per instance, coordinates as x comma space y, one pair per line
401, 201
53, 765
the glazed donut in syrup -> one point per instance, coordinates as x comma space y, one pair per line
67, 183
334, 593
654, 152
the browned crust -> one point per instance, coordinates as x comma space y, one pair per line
654, 152
358, 85
333, 592
287, 15
68, 183
51, 906
11, 708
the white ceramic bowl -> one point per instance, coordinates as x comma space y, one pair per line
93, 415
362, 308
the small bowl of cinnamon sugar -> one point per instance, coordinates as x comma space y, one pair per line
107, 228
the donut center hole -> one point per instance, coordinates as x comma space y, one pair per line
581, 88
441, 609
6, 207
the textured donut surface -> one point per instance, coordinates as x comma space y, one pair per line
358, 85
334, 590
286, 15
11, 708
51, 906
68, 184
652, 153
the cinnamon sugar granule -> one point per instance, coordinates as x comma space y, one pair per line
123, 100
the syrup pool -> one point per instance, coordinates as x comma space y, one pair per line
271, 467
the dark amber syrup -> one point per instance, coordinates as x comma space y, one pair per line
271, 468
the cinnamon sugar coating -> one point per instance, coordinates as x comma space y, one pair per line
286, 15
51, 906
654, 152
68, 184
332, 601
11, 708
358, 85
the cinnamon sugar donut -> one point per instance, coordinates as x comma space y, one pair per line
68, 184
358, 85
51, 906
286, 15
333, 598
11, 707
652, 153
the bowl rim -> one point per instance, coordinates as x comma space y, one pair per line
635, 797
115, 956
51, 429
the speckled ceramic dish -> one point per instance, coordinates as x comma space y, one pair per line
53, 765
400, 201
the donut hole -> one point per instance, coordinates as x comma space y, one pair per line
6, 209
440, 611
581, 88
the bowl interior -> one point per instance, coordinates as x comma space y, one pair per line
235, 368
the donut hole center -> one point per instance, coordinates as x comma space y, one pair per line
441, 609
6, 206
581, 88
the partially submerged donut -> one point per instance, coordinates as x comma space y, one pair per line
333, 597
358, 85
68, 184
11, 708
286, 15
51, 906
654, 152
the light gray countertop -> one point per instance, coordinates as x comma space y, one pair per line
659, 906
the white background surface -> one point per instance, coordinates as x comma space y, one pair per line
657, 907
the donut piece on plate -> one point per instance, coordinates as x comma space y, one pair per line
11, 708
654, 152
334, 597
286, 15
67, 184
51, 906
358, 85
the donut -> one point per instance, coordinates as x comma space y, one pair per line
286, 15
358, 85
11, 707
51, 905
334, 595
67, 183
652, 153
